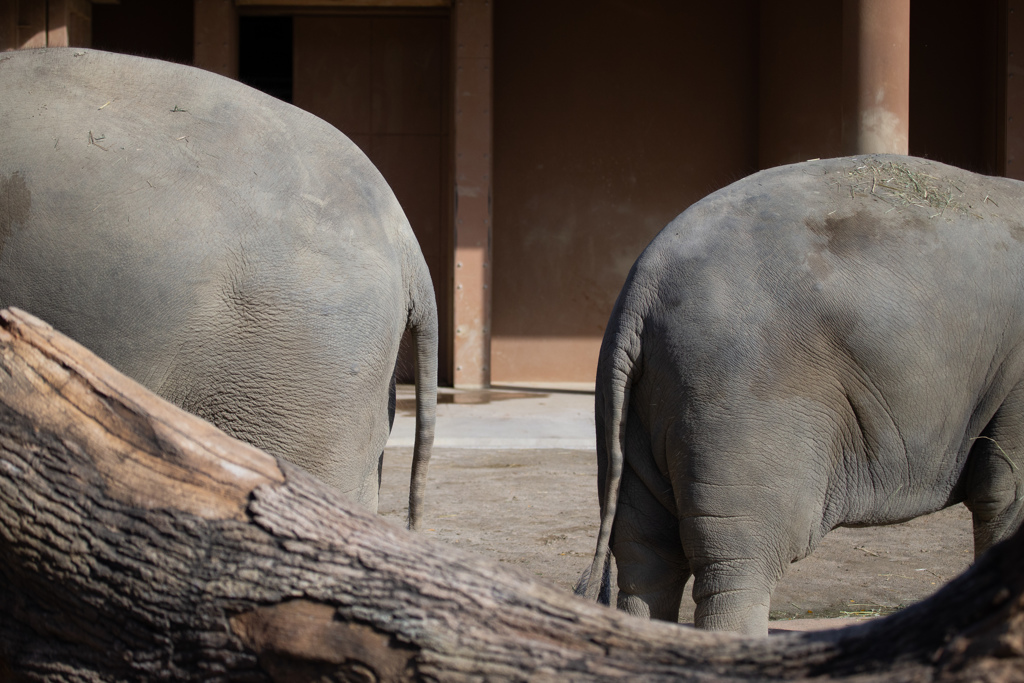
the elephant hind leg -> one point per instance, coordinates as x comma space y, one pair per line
731, 596
995, 492
739, 552
735, 568
652, 569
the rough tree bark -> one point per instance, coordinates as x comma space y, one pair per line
138, 542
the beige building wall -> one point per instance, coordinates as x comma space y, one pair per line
610, 118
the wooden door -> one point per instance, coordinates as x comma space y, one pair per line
383, 81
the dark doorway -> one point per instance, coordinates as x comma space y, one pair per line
956, 85
161, 29
265, 54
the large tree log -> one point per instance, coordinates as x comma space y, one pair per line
138, 542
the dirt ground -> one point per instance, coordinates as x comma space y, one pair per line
537, 510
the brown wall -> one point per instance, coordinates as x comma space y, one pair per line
26, 24
610, 118
955, 79
151, 28
800, 87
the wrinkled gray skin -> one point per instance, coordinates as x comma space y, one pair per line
800, 351
236, 255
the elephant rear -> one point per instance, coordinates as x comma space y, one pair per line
813, 346
233, 253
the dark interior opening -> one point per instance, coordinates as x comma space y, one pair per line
161, 29
265, 55
955, 83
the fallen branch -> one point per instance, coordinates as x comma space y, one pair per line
138, 542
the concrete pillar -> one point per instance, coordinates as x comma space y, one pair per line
216, 37
876, 76
57, 28
69, 23
472, 39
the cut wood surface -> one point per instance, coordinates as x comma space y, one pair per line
138, 542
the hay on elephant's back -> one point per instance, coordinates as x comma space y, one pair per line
901, 186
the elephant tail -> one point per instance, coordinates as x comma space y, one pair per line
617, 368
582, 586
422, 322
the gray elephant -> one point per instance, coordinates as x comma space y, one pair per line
832, 343
234, 254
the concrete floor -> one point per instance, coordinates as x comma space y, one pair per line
509, 417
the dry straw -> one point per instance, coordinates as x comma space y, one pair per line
900, 186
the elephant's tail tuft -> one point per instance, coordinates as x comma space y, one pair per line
582, 587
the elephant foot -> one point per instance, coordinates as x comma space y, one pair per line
740, 610
663, 606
